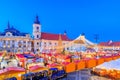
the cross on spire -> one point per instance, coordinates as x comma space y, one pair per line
37, 20
8, 25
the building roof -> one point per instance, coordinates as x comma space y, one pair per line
51, 36
12, 30
109, 43
37, 20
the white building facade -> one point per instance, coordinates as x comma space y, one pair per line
13, 40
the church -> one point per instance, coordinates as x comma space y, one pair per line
13, 40
44, 41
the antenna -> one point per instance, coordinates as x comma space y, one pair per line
96, 37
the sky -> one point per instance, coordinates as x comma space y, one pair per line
101, 17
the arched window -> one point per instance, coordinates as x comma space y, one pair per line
37, 29
8, 34
37, 36
37, 43
50, 43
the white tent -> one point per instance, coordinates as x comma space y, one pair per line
114, 64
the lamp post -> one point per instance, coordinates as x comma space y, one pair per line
4, 46
9, 48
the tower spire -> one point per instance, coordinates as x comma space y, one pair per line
8, 25
65, 32
37, 20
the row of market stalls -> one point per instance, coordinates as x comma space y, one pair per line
29, 62
109, 69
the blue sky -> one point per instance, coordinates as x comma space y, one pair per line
75, 16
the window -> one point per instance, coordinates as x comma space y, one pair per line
13, 41
37, 36
40, 44
13, 46
67, 48
19, 43
50, 43
4, 41
20, 46
37, 28
8, 35
37, 43
55, 44
24, 41
44, 43
63, 43
24, 46
29, 42
8, 41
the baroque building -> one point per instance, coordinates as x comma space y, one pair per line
14, 40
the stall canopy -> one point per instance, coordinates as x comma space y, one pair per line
28, 56
110, 65
16, 69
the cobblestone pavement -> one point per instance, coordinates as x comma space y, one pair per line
92, 78
98, 78
78, 76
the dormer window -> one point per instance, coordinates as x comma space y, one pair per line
8, 34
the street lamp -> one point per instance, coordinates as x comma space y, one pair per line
8, 48
4, 46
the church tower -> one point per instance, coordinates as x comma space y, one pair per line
36, 29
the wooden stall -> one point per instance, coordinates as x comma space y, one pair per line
114, 57
100, 61
90, 63
12, 72
107, 59
69, 67
37, 68
80, 64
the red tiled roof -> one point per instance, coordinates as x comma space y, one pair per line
102, 43
109, 44
50, 36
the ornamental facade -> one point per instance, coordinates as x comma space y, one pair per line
14, 40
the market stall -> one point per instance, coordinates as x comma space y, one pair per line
12, 72
90, 63
69, 67
80, 64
